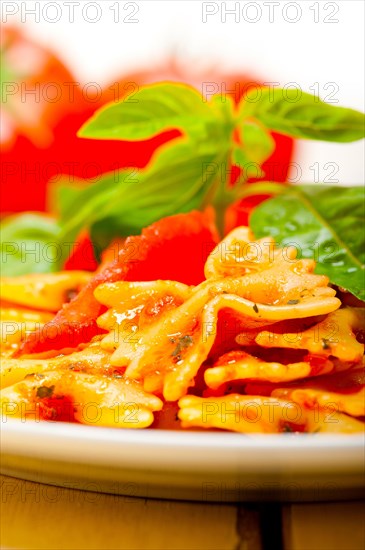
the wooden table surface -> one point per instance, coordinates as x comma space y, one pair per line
42, 517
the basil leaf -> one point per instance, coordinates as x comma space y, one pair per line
178, 180
90, 203
303, 115
29, 244
65, 196
250, 168
155, 108
260, 188
257, 142
71, 199
325, 223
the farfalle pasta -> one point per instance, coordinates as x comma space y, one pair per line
262, 345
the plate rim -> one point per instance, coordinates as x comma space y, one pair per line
181, 450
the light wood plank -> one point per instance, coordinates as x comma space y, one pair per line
36, 516
324, 526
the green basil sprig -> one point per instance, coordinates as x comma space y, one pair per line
323, 222
154, 108
302, 115
179, 180
30, 244
189, 172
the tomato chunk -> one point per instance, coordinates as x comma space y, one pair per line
173, 248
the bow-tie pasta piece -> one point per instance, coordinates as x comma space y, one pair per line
252, 414
132, 307
240, 365
344, 392
335, 335
92, 359
240, 254
45, 291
86, 398
17, 322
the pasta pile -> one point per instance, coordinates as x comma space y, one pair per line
263, 345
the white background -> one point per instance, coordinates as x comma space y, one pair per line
267, 45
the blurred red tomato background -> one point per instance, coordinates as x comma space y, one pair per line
43, 106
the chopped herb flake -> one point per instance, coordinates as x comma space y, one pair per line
255, 308
325, 344
287, 429
45, 391
183, 343
117, 374
293, 302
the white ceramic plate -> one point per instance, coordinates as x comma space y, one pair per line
213, 466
